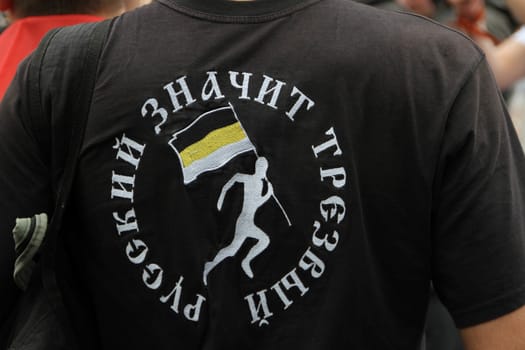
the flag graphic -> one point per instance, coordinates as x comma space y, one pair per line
210, 142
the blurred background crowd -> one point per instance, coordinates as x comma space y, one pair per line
495, 25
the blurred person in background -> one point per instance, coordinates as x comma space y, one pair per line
32, 19
518, 9
507, 59
491, 17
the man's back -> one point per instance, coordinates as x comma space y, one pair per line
381, 167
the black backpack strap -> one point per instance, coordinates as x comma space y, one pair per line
60, 83
61, 116
79, 97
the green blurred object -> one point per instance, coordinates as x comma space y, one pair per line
28, 234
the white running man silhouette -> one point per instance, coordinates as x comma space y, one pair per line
245, 226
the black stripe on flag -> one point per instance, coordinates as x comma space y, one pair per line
204, 124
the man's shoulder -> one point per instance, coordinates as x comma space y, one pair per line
401, 27
397, 34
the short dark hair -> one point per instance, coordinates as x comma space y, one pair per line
26, 8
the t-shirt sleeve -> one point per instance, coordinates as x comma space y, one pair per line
478, 239
24, 178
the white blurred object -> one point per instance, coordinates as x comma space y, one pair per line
517, 110
520, 35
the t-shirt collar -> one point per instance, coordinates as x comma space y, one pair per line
246, 10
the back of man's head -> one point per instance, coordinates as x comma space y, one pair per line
26, 8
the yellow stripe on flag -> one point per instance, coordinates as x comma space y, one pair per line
212, 142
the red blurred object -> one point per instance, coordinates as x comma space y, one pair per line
474, 26
6, 5
23, 36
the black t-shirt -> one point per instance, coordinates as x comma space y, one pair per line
281, 175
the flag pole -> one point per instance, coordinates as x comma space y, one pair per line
279, 204
266, 178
